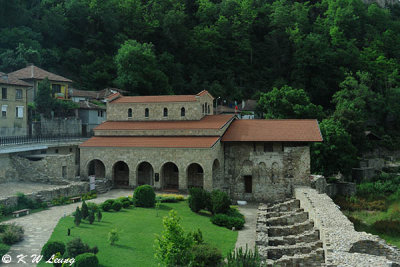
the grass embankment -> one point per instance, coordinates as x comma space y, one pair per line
138, 227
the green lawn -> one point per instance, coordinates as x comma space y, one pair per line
138, 227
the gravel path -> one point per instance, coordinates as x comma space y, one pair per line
39, 226
248, 234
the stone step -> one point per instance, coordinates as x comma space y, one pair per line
289, 205
295, 229
275, 253
313, 259
283, 213
306, 237
288, 219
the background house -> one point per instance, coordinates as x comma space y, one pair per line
91, 116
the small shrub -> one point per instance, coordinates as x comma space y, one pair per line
3, 228
3, 249
206, 255
84, 210
391, 227
92, 207
99, 215
198, 199
86, 260
78, 216
220, 202
144, 196
91, 217
13, 234
113, 236
52, 247
228, 221
106, 206
126, 203
75, 247
234, 212
117, 206
240, 257
111, 201
198, 237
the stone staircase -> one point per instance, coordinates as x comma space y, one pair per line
102, 186
287, 237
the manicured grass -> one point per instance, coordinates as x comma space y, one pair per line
138, 228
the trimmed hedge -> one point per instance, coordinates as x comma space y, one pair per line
220, 202
227, 221
144, 196
106, 206
198, 199
51, 248
206, 255
117, 206
86, 260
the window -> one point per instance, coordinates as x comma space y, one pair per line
100, 113
268, 147
165, 112
208, 108
18, 94
199, 169
4, 111
64, 171
19, 112
146, 112
56, 151
248, 184
3, 93
202, 108
182, 112
130, 113
70, 149
56, 89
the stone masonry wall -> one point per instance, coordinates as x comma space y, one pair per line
57, 126
273, 173
344, 246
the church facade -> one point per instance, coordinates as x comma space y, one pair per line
175, 142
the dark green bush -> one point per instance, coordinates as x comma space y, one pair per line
144, 196
240, 257
106, 206
198, 199
125, 201
111, 201
86, 260
205, 255
52, 247
3, 228
99, 215
390, 227
91, 217
227, 221
234, 212
220, 202
117, 206
13, 234
76, 247
92, 207
3, 249
84, 210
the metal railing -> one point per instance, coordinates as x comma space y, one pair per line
20, 140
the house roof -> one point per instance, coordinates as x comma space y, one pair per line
36, 73
12, 80
89, 105
141, 141
273, 130
159, 98
207, 122
102, 94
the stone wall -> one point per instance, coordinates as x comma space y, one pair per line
273, 174
57, 126
7, 170
73, 189
344, 246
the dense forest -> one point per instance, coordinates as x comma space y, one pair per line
335, 60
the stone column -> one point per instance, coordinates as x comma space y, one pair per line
208, 178
182, 179
133, 182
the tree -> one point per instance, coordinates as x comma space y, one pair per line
113, 236
85, 210
173, 247
44, 102
336, 153
99, 215
91, 216
78, 216
288, 103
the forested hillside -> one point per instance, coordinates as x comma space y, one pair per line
344, 54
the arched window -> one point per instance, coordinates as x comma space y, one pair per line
165, 112
208, 108
146, 112
182, 112
202, 108
130, 113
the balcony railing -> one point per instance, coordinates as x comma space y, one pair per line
20, 140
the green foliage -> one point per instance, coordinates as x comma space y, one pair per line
86, 260
62, 200
391, 227
84, 210
117, 206
12, 234
113, 236
106, 206
44, 102
144, 196
76, 247
198, 199
206, 255
228, 221
52, 247
91, 217
3, 249
125, 201
92, 207
89, 195
99, 215
77, 216
173, 246
240, 257
358, 204
288, 103
26, 203
220, 202
198, 237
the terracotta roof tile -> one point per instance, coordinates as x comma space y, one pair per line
12, 80
207, 122
33, 72
273, 130
89, 105
169, 142
155, 99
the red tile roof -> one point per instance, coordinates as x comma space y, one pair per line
33, 72
141, 141
12, 80
159, 98
273, 130
207, 122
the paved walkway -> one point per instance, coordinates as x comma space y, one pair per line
39, 226
248, 234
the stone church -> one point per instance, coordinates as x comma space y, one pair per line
174, 142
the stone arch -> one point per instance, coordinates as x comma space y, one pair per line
146, 112
129, 113
165, 113
145, 173
195, 175
120, 174
97, 168
170, 176
183, 112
